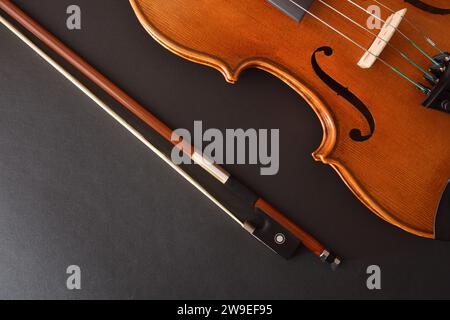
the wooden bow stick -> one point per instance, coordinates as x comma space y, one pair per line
269, 226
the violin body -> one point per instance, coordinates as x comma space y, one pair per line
393, 153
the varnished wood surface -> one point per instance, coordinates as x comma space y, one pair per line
401, 172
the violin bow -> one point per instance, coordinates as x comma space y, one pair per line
268, 225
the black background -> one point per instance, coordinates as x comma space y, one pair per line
76, 188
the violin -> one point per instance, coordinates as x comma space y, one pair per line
381, 95
376, 73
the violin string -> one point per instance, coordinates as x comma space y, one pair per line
398, 30
414, 26
418, 85
118, 118
424, 72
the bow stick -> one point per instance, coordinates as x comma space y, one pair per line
268, 225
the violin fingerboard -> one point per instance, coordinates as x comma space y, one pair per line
290, 8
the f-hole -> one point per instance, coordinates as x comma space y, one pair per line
355, 134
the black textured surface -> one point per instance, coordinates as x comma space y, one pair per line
443, 216
76, 188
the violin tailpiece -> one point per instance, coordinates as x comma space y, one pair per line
439, 96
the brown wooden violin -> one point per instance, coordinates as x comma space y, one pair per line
375, 72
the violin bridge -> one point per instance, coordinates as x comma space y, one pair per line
380, 43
